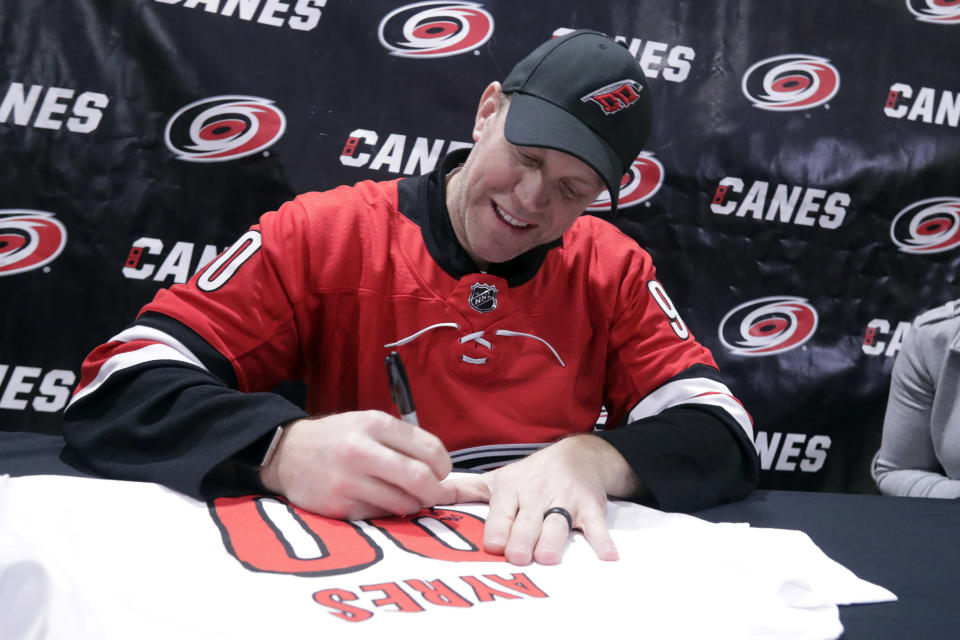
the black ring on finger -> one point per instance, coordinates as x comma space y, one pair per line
561, 511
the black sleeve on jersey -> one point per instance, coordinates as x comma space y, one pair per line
688, 457
177, 425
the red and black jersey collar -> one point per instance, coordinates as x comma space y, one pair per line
422, 199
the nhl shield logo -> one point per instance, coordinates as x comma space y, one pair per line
483, 297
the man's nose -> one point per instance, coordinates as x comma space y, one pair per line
532, 190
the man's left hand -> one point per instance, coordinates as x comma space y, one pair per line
576, 474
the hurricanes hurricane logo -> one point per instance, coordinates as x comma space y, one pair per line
936, 11
927, 226
29, 239
639, 184
768, 326
224, 128
791, 82
435, 29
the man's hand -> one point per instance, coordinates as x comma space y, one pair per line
358, 465
576, 473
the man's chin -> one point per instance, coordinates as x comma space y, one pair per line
499, 256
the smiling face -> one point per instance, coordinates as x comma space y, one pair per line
507, 199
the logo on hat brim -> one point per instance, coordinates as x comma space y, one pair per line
616, 96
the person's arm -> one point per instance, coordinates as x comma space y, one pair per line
677, 424
683, 441
689, 444
183, 397
684, 458
156, 403
906, 464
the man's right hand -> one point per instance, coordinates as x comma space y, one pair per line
358, 465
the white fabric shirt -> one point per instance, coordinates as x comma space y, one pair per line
109, 559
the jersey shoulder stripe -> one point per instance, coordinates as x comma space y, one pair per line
122, 355
686, 391
153, 340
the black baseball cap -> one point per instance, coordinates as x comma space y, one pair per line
584, 94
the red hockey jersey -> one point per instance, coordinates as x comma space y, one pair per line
500, 363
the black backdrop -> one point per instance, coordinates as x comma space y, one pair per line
800, 192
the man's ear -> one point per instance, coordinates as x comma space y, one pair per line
490, 104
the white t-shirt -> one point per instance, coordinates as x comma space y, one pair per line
109, 559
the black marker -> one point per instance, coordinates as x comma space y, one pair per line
400, 388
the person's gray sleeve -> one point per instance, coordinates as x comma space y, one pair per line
906, 464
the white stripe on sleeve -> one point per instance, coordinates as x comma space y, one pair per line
163, 347
693, 391
140, 332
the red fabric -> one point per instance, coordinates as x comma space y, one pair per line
342, 273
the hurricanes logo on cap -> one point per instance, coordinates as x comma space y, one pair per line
224, 128
435, 29
29, 239
639, 184
616, 96
927, 226
768, 326
790, 82
483, 297
936, 11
